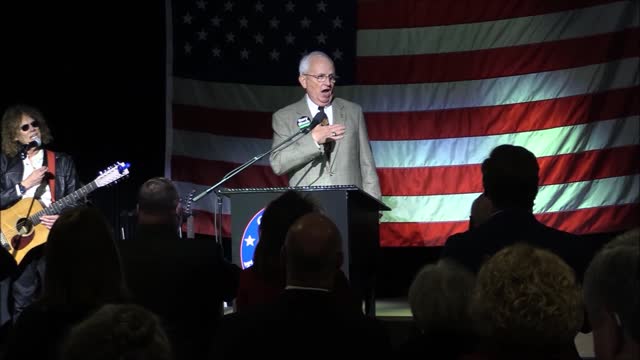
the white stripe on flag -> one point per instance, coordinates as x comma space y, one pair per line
499, 33
440, 152
417, 97
561, 197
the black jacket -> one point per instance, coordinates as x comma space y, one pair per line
11, 170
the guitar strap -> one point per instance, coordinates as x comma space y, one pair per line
51, 164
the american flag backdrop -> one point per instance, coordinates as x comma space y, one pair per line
441, 83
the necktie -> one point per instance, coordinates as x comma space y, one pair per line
329, 144
325, 119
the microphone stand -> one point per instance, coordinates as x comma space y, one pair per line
288, 141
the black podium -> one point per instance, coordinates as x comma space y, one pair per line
355, 213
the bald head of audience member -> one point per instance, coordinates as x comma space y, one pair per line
612, 296
313, 252
158, 202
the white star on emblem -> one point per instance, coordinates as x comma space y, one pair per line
259, 38
201, 4
289, 38
216, 21
244, 22
274, 55
259, 6
216, 52
322, 38
337, 55
250, 240
187, 48
274, 22
337, 22
187, 19
202, 35
305, 23
228, 6
230, 37
289, 7
244, 54
322, 6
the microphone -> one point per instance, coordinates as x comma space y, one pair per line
36, 142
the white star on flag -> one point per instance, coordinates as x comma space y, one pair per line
215, 21
289, 38
305, 23
202, 35
244, 54
289, 6
322, 38
201, 4
337, 22
228, 6
274, 22
259, 38
244, 22
274, 54
187, 18
322, 6
259, 6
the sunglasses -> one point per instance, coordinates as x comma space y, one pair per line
34, 124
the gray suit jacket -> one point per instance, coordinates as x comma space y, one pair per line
351, 161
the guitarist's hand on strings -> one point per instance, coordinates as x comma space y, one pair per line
35, 178
48, 220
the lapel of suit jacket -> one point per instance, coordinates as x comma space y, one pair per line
339, 117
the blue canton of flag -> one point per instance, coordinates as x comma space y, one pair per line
260, 41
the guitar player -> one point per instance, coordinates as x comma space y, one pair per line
27, 170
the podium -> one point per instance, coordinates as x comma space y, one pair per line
355, 213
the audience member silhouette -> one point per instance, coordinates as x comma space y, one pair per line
83, 272
183, 281
307, 319
612, 297
439, 298
118, 332
481, 211
527, 305
265, 279
510, 179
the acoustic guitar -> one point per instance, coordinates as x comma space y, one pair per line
21, 229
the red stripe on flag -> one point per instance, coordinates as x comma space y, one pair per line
209, 172
491, 63
252, 124
203, 223
504, 119
593, 220
386, 14
439, 180
422, 125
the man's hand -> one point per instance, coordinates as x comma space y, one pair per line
35, 178
322, 134
48, 220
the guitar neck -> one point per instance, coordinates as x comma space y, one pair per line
190, 234
58, 206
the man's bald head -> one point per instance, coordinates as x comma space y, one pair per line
313, 251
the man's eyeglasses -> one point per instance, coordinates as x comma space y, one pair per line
34, 124
322, 77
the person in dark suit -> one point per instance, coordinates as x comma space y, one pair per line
510, 180
336, 154
183, 281
307, 320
